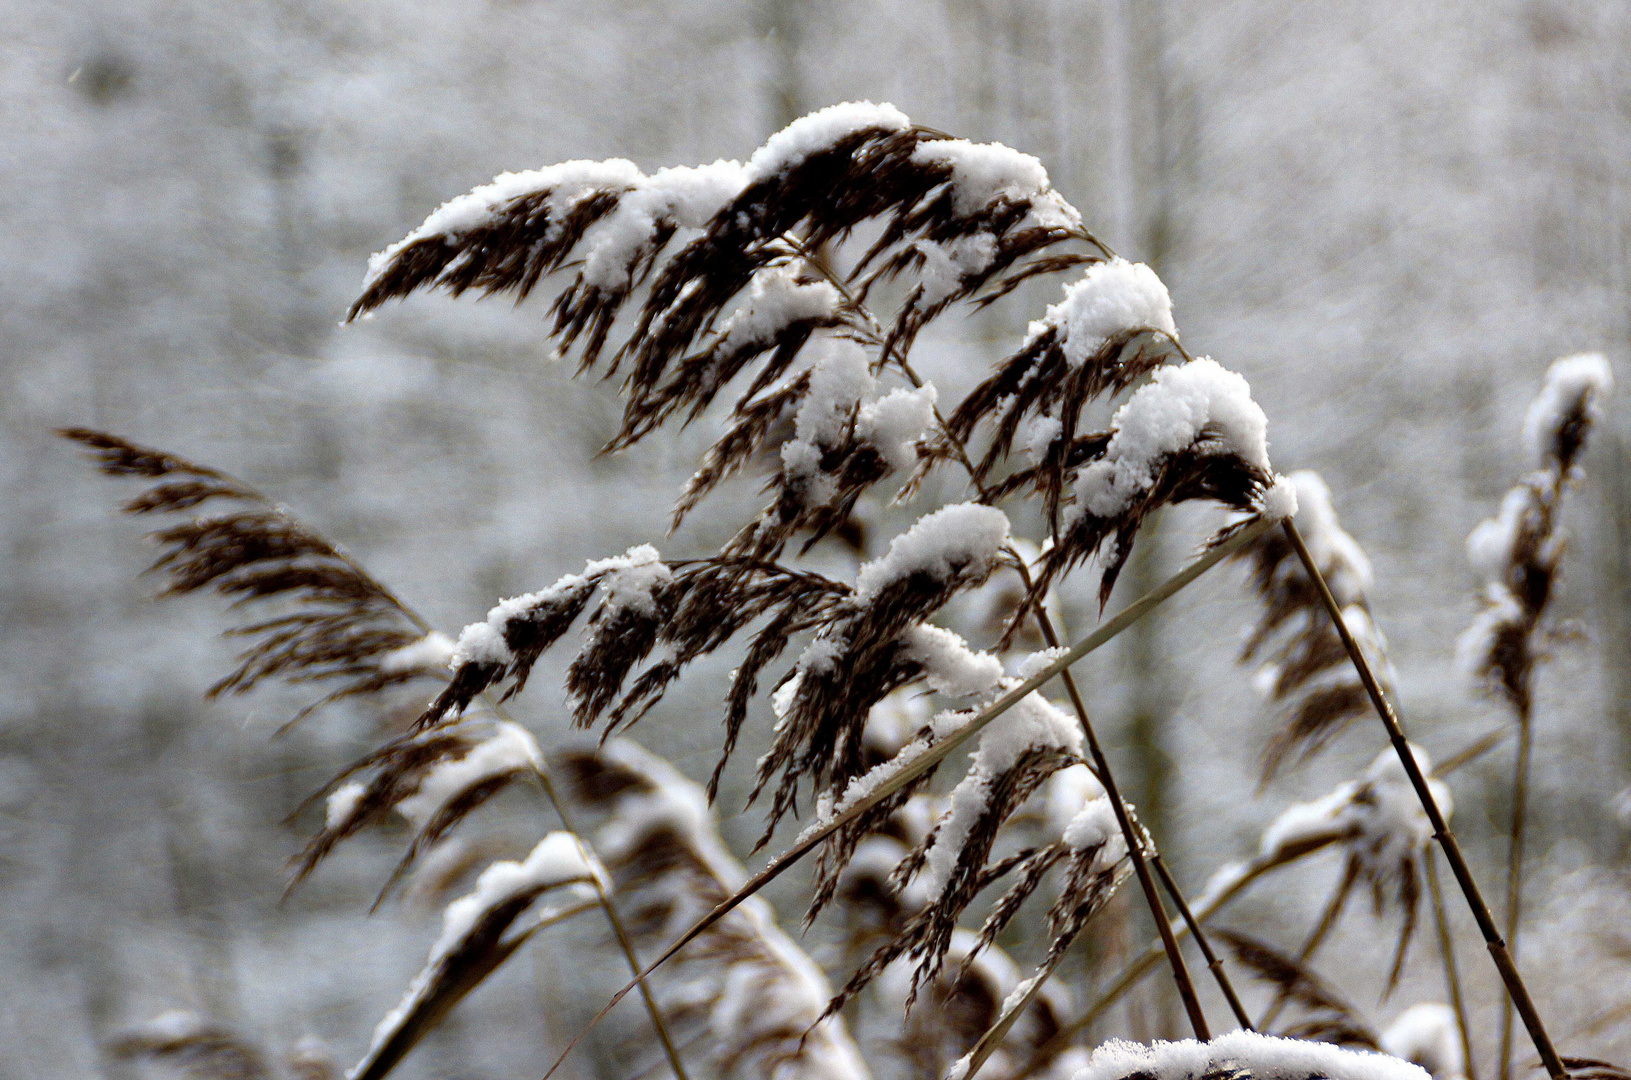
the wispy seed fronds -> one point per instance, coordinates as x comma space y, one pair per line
344, 626
752, 990
1327, 1016
1305, 666
194, 1046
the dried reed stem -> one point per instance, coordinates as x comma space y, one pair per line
814, 836
1213, 962
1514, 869
1452, 977
1502, 958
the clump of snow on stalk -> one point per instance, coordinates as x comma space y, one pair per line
962, 538
688, 196
1575, 386
777, 298
1110, 300
1263, 1057
1032, 724
558, 860
821, 130
949, 666
434, 650
1069, 791
946, 263
981, 173
836, 406
511, 749
1280, 499
627, 580
1167, 415
342, 803
896, 422
1427, 1035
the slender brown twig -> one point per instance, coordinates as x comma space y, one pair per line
1514, 869
1452, 977
1499, 954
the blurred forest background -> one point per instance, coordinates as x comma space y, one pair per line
1389, 216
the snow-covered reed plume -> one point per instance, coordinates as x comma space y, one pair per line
1516, 553
479, 932
339, 626
433, 779
1305, 667
1386, 835
756, 994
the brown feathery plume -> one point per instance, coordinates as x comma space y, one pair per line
1517, 553
1328, 1017
758, 996
434, 779
192, 1045
478, 934
1193, 432
344, 627
1307, 668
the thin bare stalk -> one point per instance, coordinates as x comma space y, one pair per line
1213, 962
1514, 871
1452, 977
1316, 937
816, 834
1499, 954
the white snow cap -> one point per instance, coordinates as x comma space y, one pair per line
1265, 1057
1426, 1034
776, 299
1163, 417
434, 650
1583, 377
819, 131
982, 173
949, 666
1280, 500
1388, 821
688, 196
963, 535
1111, 298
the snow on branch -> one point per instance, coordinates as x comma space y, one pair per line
753, 992
1304, 665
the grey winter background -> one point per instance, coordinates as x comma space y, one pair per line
1388, 216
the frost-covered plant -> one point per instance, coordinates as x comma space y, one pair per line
1517, 554
783, 296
